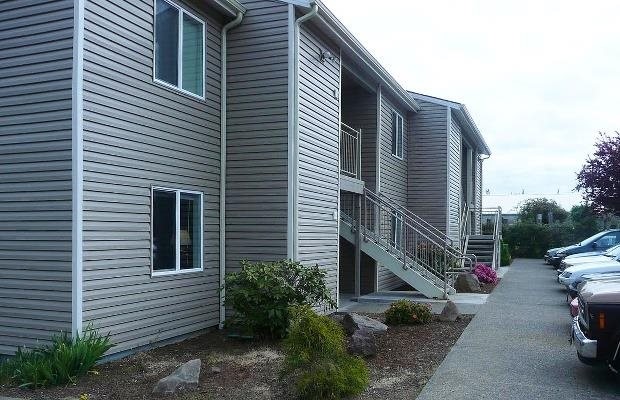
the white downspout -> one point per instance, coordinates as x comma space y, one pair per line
223, 112
295, 160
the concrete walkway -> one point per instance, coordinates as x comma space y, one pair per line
517, 347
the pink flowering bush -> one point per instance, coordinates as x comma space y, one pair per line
485, 273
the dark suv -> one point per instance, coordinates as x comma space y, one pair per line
599, 243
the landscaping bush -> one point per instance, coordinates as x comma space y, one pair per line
406, 312
316, 358
61, 362
485, 273
531, 240
505, 258
262, 293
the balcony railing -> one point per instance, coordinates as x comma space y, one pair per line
350, 151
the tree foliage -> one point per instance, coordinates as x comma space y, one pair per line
530, 208
599, 178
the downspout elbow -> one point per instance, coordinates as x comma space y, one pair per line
223, 133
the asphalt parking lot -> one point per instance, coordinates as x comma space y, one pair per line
517, 347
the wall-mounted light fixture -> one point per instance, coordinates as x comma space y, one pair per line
326, 55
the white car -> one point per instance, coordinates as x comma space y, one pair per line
587, 258
571, 274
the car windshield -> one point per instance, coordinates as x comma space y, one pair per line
613, 252
592, 239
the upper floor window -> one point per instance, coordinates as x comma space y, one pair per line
179, 48
397, 135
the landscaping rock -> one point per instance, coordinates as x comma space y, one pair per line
353, 322
450, 312
337, 316
363, 343
184, 377
216, 370
467, 283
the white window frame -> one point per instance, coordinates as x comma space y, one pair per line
168, 85
400, 123
178, 269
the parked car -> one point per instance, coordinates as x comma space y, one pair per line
577, 284
550, 253
589, 257
569, 275
596, 329
599, 242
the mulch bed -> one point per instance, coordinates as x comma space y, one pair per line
407, 358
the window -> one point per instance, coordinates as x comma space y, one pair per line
176, 220
397, 135
397, 230
179, 48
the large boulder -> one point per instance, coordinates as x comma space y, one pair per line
352, 322
362, 343
467, 283
450, 312
184, 377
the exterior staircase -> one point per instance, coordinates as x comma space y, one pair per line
404, 243
483, 246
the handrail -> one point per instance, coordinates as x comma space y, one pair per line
421, 220
401, 232
497, 231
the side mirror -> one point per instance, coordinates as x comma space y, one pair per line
594, 245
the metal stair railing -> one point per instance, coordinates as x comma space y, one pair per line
496, 213
409, 240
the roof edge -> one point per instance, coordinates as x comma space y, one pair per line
230, 7
464, 115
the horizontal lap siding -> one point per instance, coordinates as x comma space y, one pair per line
393, 175
36, 42
359, 111
454, 176
319, 121
138, 134
428, 164
257, 138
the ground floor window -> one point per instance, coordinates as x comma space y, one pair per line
176, 231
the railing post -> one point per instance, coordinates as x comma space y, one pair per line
358, 250
359, 155
445, 272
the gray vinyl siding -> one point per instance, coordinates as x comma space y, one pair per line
359, 111
319, 159
139, 134
428, 170
393, 175
36, 42
257, 141
454, 179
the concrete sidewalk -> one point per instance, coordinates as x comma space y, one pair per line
517, 347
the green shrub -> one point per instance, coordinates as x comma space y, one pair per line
532, 240
405, 312
262, 293
506, 259
316, 357
61, 362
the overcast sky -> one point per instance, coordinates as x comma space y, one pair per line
540, 78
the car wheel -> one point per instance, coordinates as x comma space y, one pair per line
614, 358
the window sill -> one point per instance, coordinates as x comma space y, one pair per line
397, 157
155, 274
178, 90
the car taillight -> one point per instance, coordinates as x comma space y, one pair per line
601, 321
